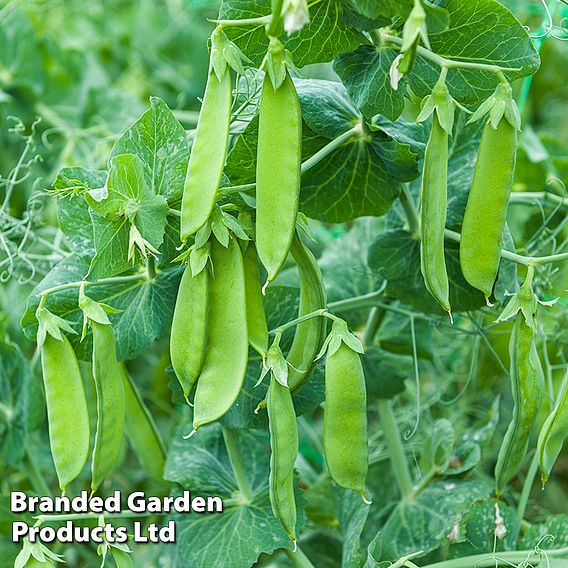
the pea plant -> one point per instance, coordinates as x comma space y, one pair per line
336, 301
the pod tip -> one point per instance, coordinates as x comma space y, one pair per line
364, 498
264, 287
450, 316
188, 436
295, 543
186, 398
489, 304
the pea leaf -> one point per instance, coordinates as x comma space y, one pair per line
130, 201
73, 210
425, 522
146, 307
202, 465
480, 32
319, 41
160, 141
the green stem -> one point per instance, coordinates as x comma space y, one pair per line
410, 211
357, 302
274, 26
394, 443
374, 321
309, 163
87, 283
449, 63
187, 116
492, 560
527, 488
261, 21
282, 328
517, 258
530, 197
298, 558
151, 267
232, 444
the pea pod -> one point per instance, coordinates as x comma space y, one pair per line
486, 210
434, 199
527, 384
309, 334
345, 419
189, 328
284, 450
554, 433
208, 153
110, 403
67, 411
277, 173
225, 362
256, 318
141, 430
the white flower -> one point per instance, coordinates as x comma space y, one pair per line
296, 15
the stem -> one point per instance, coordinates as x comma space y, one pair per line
514, 257
86, 283
282, 328
530, 197
309, 163
151, 267
374, 321
41, 519
260, 21
410, 211
450, 63
298, 558
364, 301
491, 560
394, 443
527, 487
239, 468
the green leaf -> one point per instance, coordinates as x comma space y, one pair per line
395, 255
385, 372
365, 74
320, 41
146, 307
130, 201
475, 531
438, 447
203, 463
479, 32
160, 141
354, 278
73, 210
425, 522
555, 526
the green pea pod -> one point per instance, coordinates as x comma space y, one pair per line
284, 450
225, 362
67, 412
189, 329
434, 199
110, 403
309, 334
527, 384
208, 154
345, 419
256, 318
553, 434
141, 430
279, 157
486, 210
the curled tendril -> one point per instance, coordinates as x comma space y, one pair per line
550, 27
